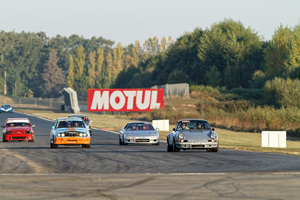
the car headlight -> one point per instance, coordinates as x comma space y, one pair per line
84, 135
213, 135
62, 135
80, 134
180, 136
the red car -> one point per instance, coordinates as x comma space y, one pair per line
18, 129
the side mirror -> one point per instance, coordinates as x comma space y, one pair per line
173, 129
213, 129
3, 126
157, 129
91, 121
53, 127
122, 129
32, 126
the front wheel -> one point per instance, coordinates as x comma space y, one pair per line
3, 138
120, 141
52, 145
86, 145
175, 149
169, 147
32, 139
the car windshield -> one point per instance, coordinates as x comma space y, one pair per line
17, 124
139, 126
192, 124
5, 106
68, 124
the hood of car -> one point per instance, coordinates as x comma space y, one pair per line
18, 128
192, 134
141, 133
61, 130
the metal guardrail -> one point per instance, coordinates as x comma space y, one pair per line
21, 102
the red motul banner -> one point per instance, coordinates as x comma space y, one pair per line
125, 99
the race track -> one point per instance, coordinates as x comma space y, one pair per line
111, 167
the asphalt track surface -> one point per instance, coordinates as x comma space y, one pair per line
110, 171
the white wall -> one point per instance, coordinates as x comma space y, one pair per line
162, 125
273, 139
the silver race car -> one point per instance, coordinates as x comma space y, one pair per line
138, 133
192, 134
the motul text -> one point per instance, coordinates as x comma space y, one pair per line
125, 99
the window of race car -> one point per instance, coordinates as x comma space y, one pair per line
17, 124
67, 124
6, 106
133, 127
192, 125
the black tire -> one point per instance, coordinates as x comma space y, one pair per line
120, 142
53, 146
169, 147
215, 149
86, 146
32, 139
175, 149
3, 138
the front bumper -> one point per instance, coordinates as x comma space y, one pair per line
72, 140
18, 136
6, 111
143, 140
203, 145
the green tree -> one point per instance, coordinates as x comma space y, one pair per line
91, 69
283, 52
71, 73
80, 60
232, 48
53, 78
99, 65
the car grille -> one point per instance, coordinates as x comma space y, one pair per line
197, 146
15, 138
70, 134
142, 140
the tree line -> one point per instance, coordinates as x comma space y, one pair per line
227, 54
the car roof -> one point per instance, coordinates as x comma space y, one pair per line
192, 119
17, 120
6, 105
139, 123
69, 119
77, 115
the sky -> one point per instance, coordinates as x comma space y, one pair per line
128, 20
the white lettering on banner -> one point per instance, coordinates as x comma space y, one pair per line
113, 102
123, 100
139, 98
130, 95
100, 100
154, 104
